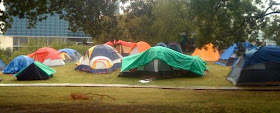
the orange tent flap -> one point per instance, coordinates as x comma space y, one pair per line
142, 46
211, 54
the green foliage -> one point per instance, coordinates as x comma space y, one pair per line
5, 55
60, 44
93, 17
170, 21
221, 22
135, 25
30, 47
36, 43
80, 48
226, 21
272, 30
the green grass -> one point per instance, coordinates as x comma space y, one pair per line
57, 99
66, 74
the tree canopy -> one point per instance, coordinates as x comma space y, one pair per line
222, 22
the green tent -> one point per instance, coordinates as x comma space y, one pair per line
163, 59
35, 71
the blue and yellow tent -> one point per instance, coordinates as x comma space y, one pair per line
69, 54
100, 59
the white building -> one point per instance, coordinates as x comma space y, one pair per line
267, 41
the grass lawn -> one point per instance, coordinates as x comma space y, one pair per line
66, 74
58, 99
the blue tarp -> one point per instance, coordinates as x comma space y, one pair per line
229, 51
18, 63
161, 44
233, 49
262, 55
72, 53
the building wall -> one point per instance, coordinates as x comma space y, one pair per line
53, 26
6, 41
50, 29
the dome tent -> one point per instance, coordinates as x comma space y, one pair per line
139, 47
35, 71
209, 54
162, 59
69, 54
175, 46
47, 56
17, 64
257, 67
123, 47
100, 59
161, 44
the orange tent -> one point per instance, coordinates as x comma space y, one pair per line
139, 47
211, 54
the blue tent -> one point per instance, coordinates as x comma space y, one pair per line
257, 67
2, 65
18, 63
161, 44
229, 56
75, 55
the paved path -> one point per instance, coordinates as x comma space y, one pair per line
262, 88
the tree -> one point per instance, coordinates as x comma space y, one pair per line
93, 17
224, 22
135, 24
170, 20
272, 30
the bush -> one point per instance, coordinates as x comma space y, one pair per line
7, 55
80, 48
60, 44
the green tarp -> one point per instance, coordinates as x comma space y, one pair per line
175, 59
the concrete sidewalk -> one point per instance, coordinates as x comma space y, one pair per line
253, 88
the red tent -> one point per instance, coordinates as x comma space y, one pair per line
109, 43
48, 56
123, 47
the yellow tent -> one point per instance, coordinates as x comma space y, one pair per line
211, 54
